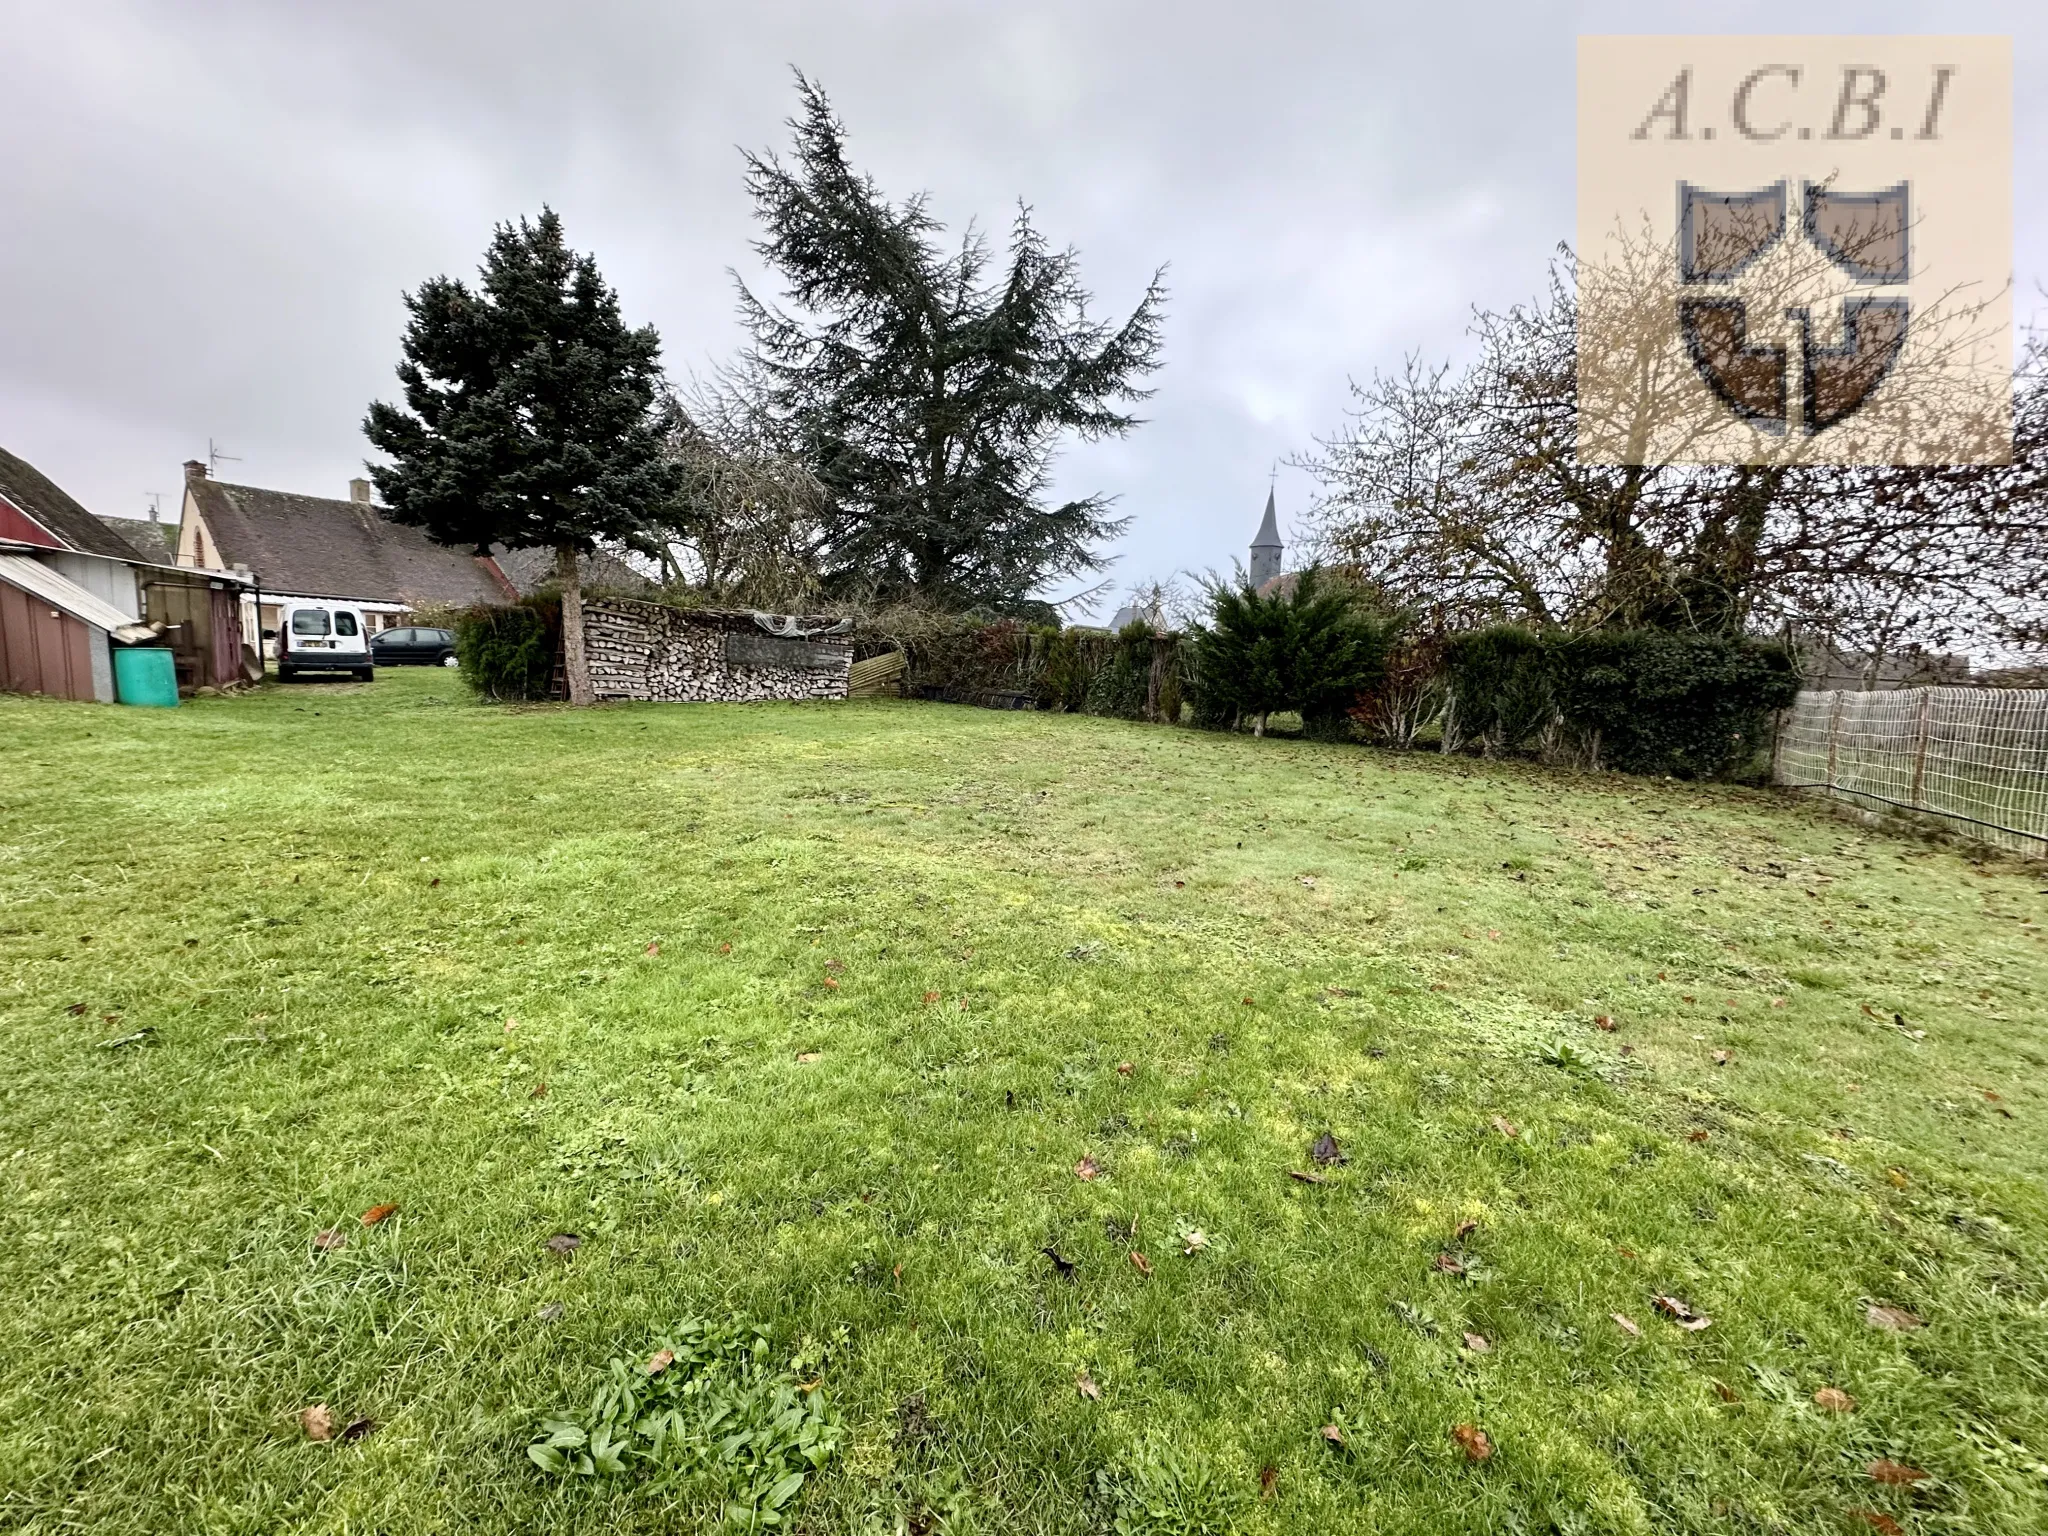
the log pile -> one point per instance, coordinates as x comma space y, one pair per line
677, 655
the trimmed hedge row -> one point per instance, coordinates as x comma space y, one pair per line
1692, 706
1646, 702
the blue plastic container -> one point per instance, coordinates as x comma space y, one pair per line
143, 674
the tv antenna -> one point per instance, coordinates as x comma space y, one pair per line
214, 456
156, 505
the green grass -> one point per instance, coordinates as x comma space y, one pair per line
329, 904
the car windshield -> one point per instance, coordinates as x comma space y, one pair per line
309, 621
344, 623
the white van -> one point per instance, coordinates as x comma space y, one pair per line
316, 636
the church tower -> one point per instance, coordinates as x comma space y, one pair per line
1266, 548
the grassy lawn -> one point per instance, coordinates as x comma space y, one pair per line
808, 1016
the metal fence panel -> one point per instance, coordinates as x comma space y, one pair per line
1977, 758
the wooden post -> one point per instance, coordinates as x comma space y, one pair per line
1834, 730
1920, 747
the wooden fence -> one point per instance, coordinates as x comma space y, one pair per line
1975, 758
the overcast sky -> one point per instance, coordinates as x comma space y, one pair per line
211, 208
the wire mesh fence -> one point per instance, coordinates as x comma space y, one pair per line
1976, 758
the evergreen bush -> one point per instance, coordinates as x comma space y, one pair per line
508, 654
1312, 649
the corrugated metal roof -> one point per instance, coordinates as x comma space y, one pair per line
33, 576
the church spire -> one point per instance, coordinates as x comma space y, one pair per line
1266, 547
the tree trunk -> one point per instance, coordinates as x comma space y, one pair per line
575, 662
1260, 728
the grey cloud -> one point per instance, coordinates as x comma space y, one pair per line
212, 208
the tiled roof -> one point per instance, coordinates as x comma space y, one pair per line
37, 495
531, 569
316, 547
155, 542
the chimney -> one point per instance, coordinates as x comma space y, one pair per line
359, 492
195, 469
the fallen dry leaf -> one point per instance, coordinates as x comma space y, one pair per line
1681, 1314
564, 1242
1472, 1440
835, 966
1895, 1473
1834, 1400
1306, 1178
1192, 1243
1504, 1126
540, 1090
1087, 1168
931, 997
1447, 1264
1085, 1385
1141, 1264
1625, 1252
805, 1058
1124, 1069
1777, 1002
654, 948
357, 1428
1627, 1325
1892, 1319
510, 1025
1723, 1058
551, 1312
1885, 1525
1269, 1475
77, 1010
329, 1240
832, 982
1695, 1135
1725, 1392
1326, 1152
317, 1421
1628, 1050
1464, 1230
377, 1213
661, 1361
725, 949
1478, 1343
1333, 1434
1602, 1022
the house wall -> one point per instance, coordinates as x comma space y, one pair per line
111, 581
647, 651
46, 651
17, 525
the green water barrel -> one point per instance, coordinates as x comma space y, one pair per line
143, 674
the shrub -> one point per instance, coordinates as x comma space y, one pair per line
508, 653
1123, 683
1312, 650
1497, 688
1694, 706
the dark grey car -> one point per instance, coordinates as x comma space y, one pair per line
413, 648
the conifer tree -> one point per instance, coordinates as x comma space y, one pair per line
530, 415
926, 388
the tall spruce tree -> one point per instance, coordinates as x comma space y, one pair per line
530, 415
926, 390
